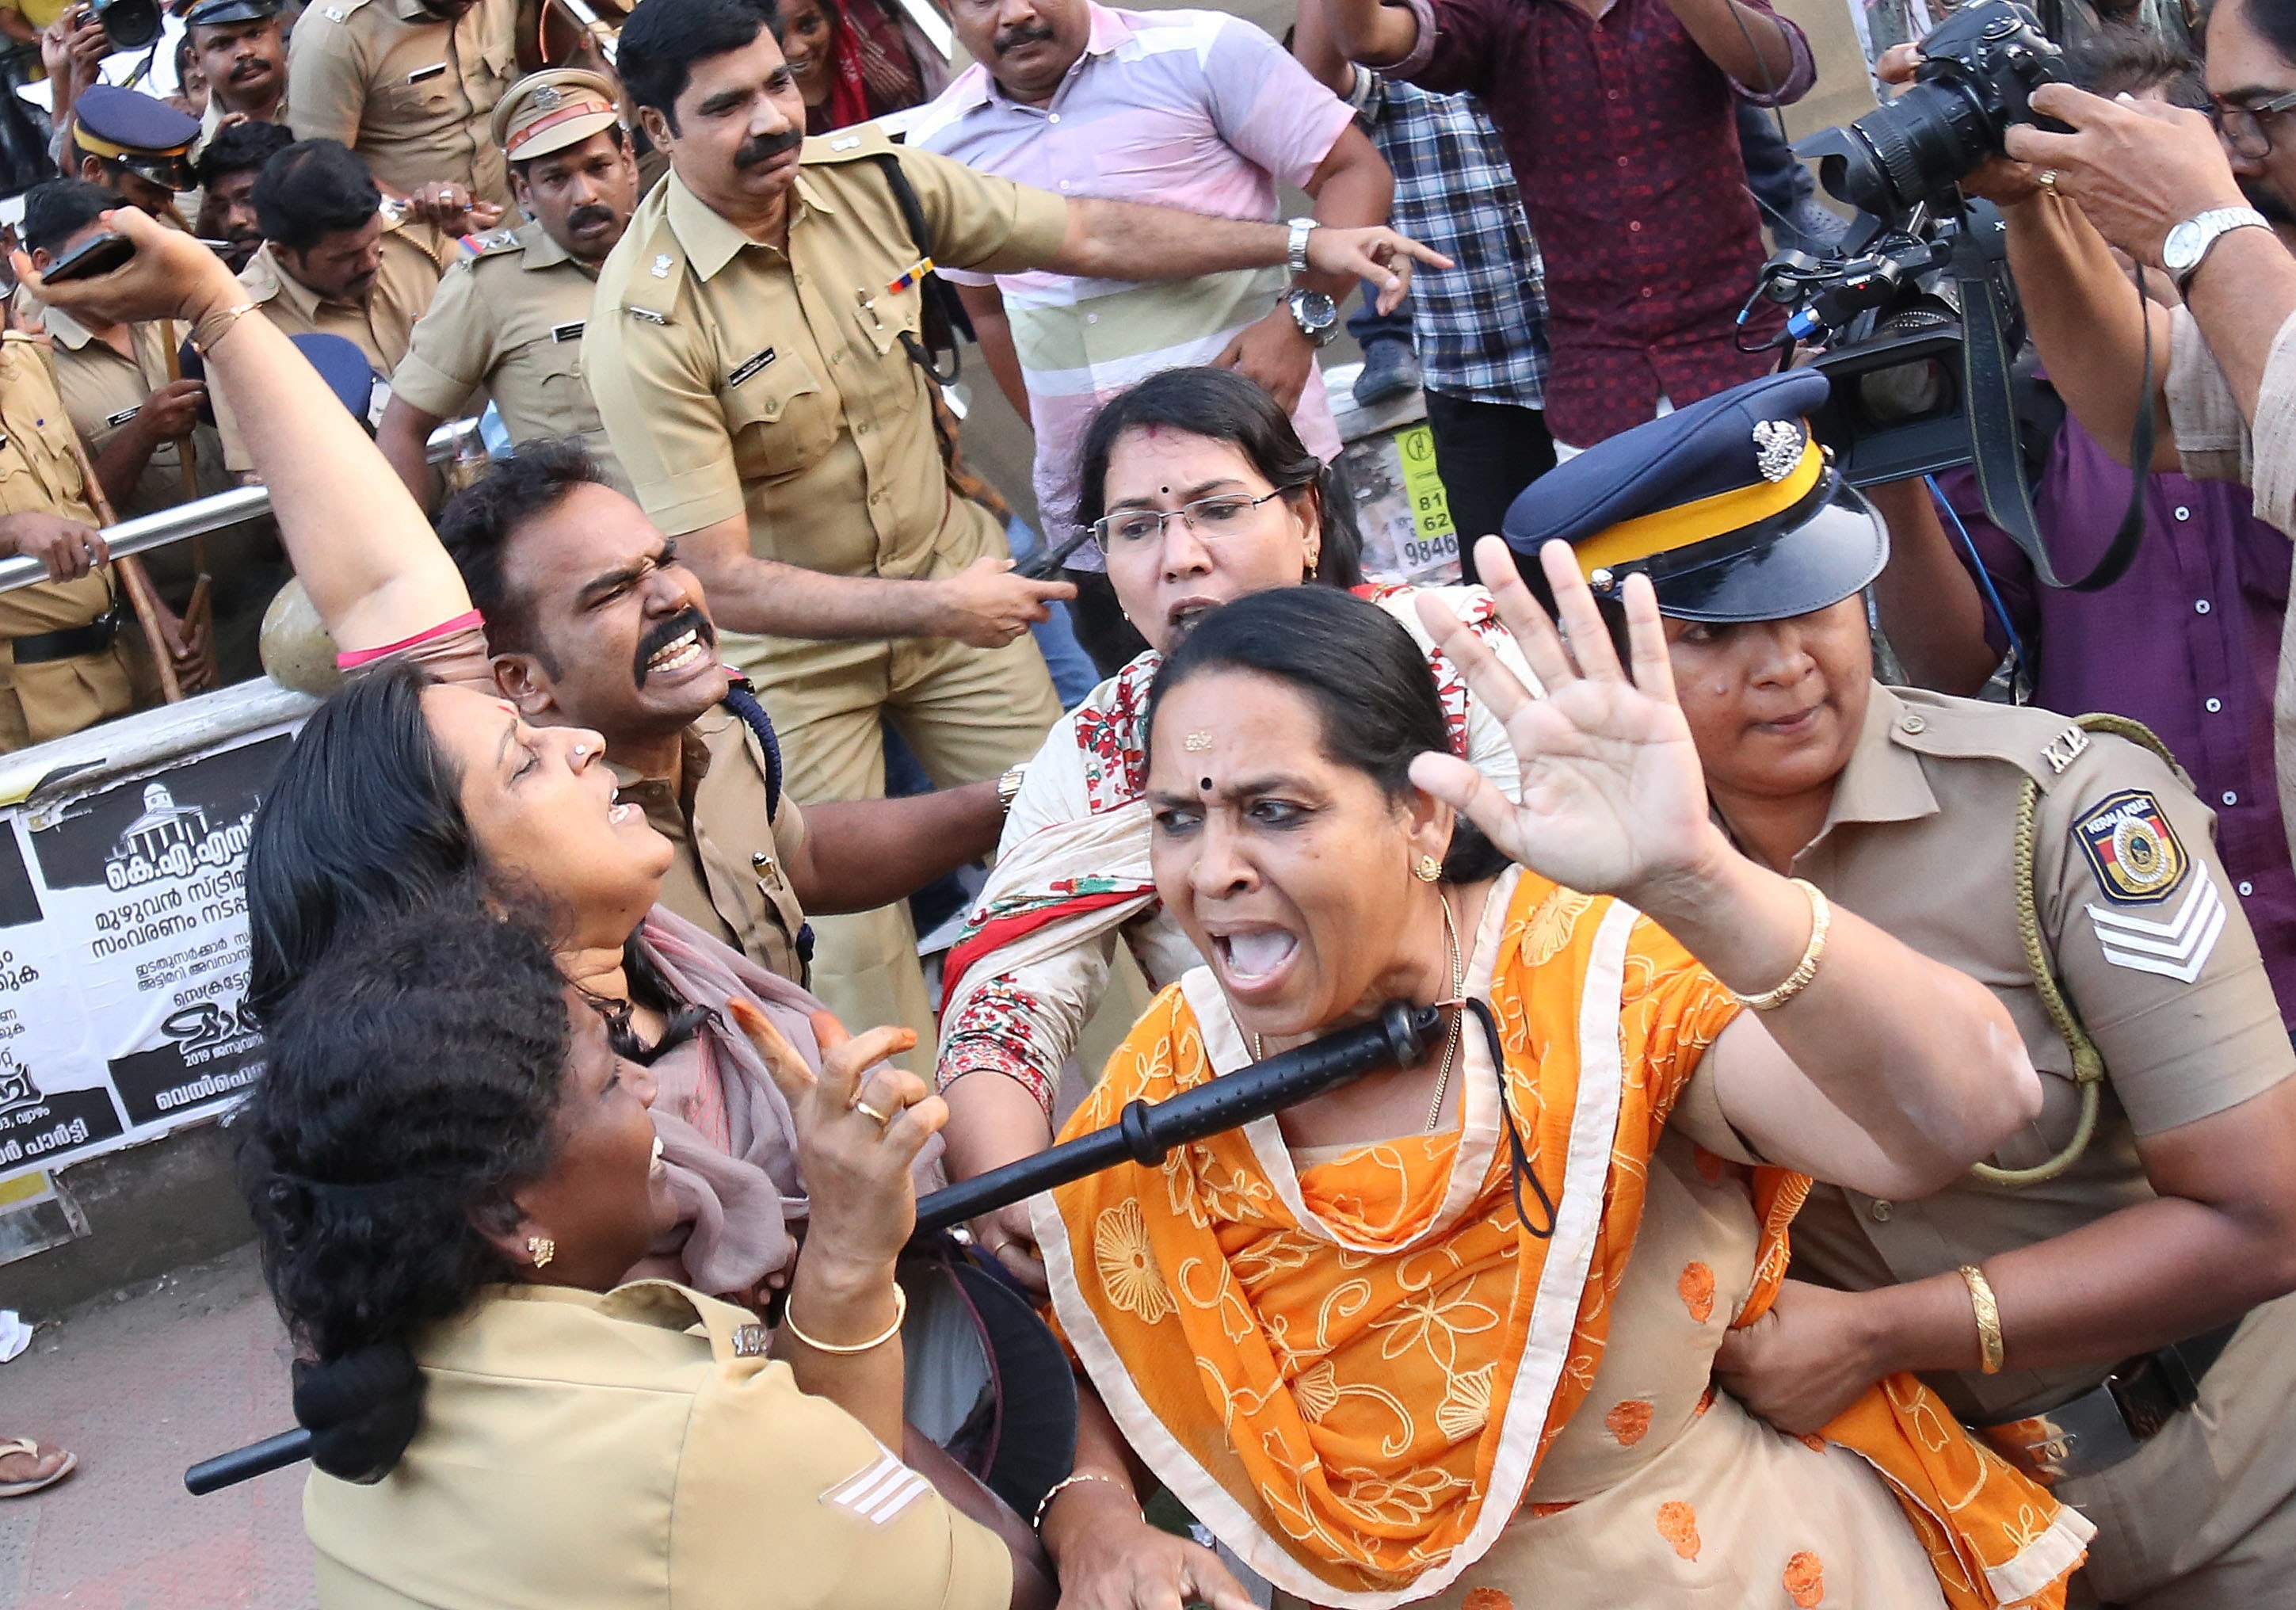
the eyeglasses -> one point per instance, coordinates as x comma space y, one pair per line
1137, 531
2243, 127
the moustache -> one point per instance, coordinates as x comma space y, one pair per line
252, 67
1014, 39
590, 215
670, 631
765, 148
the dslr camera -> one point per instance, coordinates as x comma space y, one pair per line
1915, 311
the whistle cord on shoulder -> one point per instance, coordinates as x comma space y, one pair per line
1518, 1154
2089, 1062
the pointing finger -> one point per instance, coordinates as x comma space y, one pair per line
783, 1062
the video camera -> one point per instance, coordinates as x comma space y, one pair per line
1914, 312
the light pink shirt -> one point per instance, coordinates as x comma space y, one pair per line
1187, 108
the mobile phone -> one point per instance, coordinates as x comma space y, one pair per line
97, 255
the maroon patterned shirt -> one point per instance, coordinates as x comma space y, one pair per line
1623, 140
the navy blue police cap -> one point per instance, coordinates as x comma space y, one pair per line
343, 366
1729, 505
145, 135
213, 14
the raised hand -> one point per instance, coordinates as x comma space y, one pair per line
171, 276
1612, 799
860, 1124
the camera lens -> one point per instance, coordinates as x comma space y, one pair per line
129, 24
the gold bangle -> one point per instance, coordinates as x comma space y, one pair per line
900, 1312
212, 327
1988, 1318
1821, 920
1053, 1492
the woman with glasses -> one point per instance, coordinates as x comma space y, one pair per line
1198, 491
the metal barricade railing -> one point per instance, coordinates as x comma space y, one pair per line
205, 515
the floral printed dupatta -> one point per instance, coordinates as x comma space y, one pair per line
1351, 1372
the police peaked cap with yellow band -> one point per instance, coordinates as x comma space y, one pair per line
1729, 505
122, 126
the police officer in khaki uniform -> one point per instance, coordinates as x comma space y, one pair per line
135, 146
63, 661
114, 380
243, 51
511, 319
592, 621
2104, 1300
336, 260
750, 352
410, 86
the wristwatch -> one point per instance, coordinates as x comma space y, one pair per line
2188, 243
1316, 314
1296, 255
1008, 786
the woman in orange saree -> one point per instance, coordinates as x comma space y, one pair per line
1391, 1346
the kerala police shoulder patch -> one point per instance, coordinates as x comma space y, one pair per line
2132, 849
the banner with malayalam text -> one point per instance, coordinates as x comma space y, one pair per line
123, 957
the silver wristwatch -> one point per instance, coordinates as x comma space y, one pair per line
2188, 243
1316, 314
1296, 255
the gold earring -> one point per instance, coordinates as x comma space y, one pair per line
1428, 870
542, 1249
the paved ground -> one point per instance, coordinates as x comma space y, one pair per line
140, 1387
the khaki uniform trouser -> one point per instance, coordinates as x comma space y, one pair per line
2203, 1516
967, 714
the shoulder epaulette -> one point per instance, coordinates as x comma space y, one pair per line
337, 11
861, 141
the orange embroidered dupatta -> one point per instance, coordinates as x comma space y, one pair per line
1350, 1374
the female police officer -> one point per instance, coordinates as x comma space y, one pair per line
2104, 1300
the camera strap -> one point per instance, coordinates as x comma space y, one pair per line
1987, 384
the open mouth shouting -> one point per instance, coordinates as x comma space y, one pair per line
1253, 960
676, 648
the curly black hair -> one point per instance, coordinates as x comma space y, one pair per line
478, 521
412, 1084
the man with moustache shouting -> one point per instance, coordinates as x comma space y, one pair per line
511, 319
750, 352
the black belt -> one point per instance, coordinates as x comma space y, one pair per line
93, 638
2111, 1420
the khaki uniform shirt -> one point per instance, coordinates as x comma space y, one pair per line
636, 1452
736, 377
2146, 940
510, 320
38, 471
409, 91
412, 257
730, 876
103, 392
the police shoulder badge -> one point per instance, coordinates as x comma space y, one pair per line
2138, 861
2134, 851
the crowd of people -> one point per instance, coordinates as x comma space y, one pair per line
1854, 1160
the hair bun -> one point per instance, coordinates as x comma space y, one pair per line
361, 1410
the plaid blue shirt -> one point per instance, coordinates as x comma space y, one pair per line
1480, 327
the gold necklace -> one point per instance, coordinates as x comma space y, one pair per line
1458, 1003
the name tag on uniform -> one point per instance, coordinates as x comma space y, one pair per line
570, 331
431, 71
751, 366
648, 314
123, 416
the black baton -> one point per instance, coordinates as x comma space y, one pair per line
1143, 1135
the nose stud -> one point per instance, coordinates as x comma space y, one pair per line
581, 751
